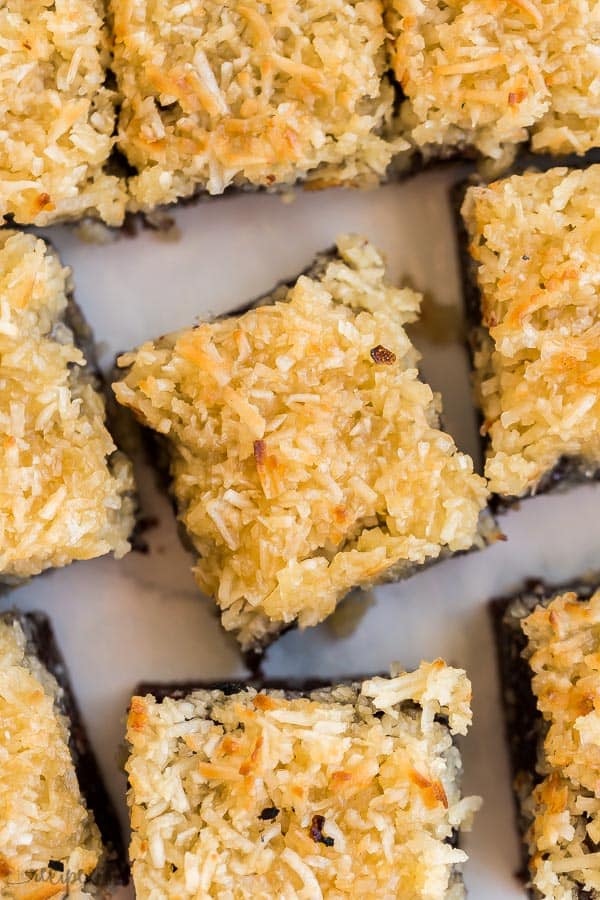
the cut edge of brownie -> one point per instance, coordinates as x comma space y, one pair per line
569, 471
41, 643
523, 723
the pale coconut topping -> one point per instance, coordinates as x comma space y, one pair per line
488, 73
251, 93
349, 791
57, 116
43, 817
535, 240
306, 453
563, 651
64, 490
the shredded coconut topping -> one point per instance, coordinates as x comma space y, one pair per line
64, 491
57, 116
43, 817
564, 654
535, 240
304, 460
328, 795
252, 93
487, 73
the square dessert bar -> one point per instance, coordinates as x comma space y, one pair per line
534, 283
488, 74
65, 491
57, 115
306, 454
549, 647
250, 94
58, 831
345, 791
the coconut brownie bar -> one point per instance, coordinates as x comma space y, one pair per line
217, 94
350, 790
57, 116
57, 828
488, 74
548, 642
535, 267
306, 456
65, 492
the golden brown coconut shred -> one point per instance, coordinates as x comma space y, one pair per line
64, 491
251, 94
57, 117
43, 817
489, 73
535, 241
349, 791
306, 453
563, 651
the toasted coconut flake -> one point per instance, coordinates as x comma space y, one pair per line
458, 62
289, 831
65, 492
536, 243
340, 472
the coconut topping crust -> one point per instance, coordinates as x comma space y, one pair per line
490, 73
251, 94
563, 652
57, 115
534, 241
44, 822
64, 490
306, 453
344, 792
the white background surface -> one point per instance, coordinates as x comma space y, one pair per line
143, 618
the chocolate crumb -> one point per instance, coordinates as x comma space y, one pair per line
316, 831
268, 813
260, 452
147, 523
382, 355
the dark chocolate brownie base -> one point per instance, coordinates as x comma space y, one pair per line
41, 643
569, 471
524, 726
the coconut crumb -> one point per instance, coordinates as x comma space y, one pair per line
65, 492
251, 94
564, 808
57, 115
44, 821
302, 466
491, 73
534, 239
362, 799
